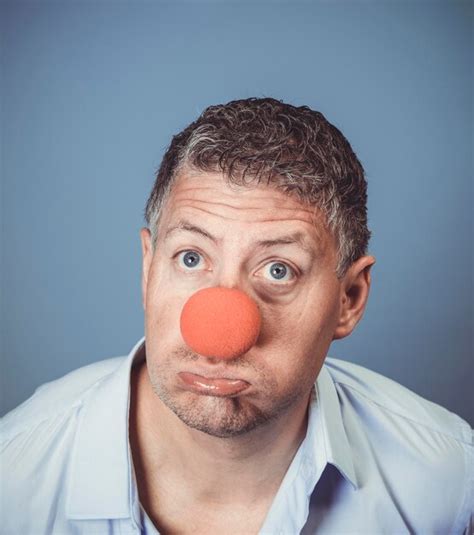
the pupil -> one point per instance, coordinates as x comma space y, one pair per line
278, 271
190, 259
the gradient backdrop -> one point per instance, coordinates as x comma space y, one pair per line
92, 93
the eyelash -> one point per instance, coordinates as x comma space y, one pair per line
292, 270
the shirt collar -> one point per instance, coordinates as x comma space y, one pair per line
325, 443
326, 428
101, 484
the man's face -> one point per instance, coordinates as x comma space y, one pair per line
294, 285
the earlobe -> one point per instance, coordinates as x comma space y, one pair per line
354, 296
147, 255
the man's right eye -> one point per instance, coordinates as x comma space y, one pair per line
189, 259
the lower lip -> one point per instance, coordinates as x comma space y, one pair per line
212, 387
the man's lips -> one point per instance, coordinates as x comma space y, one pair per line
216, 386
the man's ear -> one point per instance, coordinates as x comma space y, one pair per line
147, 255
355, 288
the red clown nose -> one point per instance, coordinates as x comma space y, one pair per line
220, 322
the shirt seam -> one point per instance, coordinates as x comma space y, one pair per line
407, 418
34, 425
76, 403
468, 479
319, 415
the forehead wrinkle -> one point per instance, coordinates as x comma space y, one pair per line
208, 194
257, 206
292, 238
193, 204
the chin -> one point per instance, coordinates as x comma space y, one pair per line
222, 417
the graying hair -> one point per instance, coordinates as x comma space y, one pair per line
293, 149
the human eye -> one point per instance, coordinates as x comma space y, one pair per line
190, 260
278, 272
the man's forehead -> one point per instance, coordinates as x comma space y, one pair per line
200, 198
195, 188
298, 238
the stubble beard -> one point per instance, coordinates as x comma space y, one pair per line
222, 417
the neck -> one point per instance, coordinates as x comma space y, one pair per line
245, 469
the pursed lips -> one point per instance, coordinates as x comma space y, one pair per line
217, 383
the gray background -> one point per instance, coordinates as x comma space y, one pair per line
93, 91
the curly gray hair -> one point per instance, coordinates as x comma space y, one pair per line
294, 149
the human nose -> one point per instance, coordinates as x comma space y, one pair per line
220, 322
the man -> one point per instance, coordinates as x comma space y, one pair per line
269, 201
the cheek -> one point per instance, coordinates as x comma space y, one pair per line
163, 293
162, 315
295, 339
167, 286
298, 324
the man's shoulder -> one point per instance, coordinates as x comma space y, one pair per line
363, 385
406, 447
56, 398
38, 448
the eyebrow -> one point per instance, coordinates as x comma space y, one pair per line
295, 238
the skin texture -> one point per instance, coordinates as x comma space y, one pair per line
204, 462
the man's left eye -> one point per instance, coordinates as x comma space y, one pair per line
277, 271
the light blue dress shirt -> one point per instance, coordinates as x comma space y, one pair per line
376, 459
